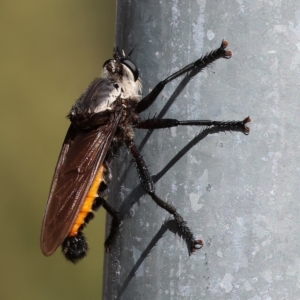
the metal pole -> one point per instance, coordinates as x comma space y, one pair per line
238, 193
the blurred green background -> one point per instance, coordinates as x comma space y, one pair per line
50, 52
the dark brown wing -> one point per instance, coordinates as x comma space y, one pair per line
81, 155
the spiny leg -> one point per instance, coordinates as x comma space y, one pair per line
200, 64
167, 123
116, 221
148, 185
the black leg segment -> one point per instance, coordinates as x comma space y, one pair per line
167, 123
200, 64
114, 224
148, 185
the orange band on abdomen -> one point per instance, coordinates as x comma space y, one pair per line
88, 202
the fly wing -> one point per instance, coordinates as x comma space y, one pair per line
82, 153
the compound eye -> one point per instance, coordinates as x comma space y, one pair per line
107, 62
128, 63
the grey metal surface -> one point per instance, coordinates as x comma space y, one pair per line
240, 194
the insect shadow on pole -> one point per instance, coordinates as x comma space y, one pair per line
135, 195
180, 87
218, 127
138, 191
102, 120
167, 225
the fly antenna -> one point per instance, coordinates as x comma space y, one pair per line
131, 50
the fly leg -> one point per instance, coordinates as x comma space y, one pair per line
200, 64
167, 123
116, 221
148, 185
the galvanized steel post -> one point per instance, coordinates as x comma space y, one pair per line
240, 194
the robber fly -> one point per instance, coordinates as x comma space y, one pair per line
102, 119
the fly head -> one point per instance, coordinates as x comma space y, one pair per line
121, 67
